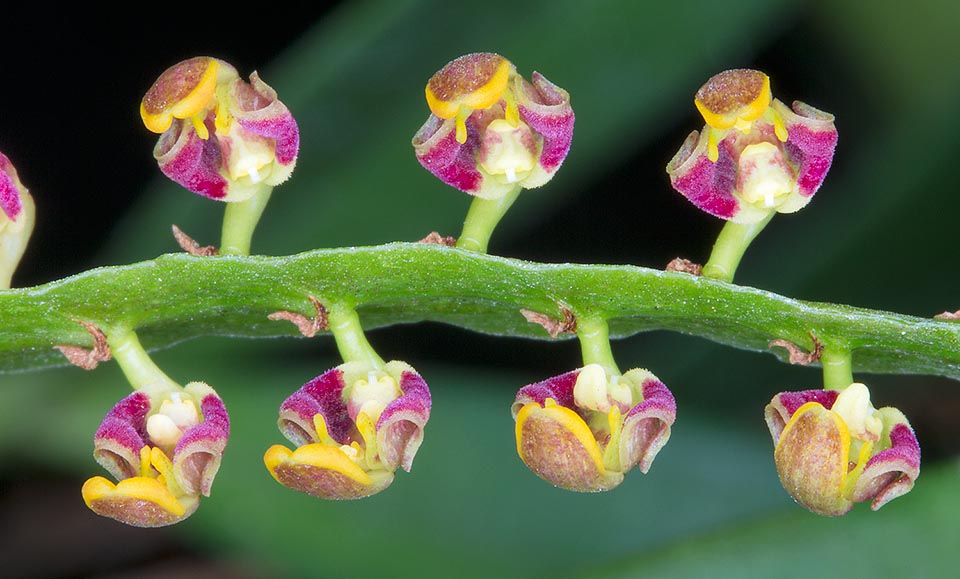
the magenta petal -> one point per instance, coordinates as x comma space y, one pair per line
400, 427
190, 161
9, 189
785, 404
259, 112
811, 141
439, 152
559, 388
892, 472
197, 455
706, 184
546, 108
322, 396
121, 435
646, 428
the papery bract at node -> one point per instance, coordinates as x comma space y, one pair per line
222, 137
584, 430
164, 446
755, 155
353, 426
490, 130
833, 449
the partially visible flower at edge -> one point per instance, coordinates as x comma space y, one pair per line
490, 130
755, 155
353, 426
833, 449
584, 430
17, 216
221, 137
164, 446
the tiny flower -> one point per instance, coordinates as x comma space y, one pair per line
220, 136
352, 427
490, 130
584, 430
833, 449
164, 446
17, 214
755, 155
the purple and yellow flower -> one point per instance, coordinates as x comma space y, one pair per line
163, 445
755, 155
220, 136
17, 215
490, 130
584, 430
353, 426
833, 449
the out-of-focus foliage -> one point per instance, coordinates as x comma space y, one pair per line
879, 234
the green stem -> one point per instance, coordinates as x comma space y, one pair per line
136, 364
240, 219
482, 218
594, 338
837, 365
13, 244
351, 341
731, 244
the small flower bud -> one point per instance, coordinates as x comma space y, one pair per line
221, 137
353, 426
164, 446
17, 215
584, 430
490, 129
755, 155
834, 449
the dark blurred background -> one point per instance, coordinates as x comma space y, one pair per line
880, 234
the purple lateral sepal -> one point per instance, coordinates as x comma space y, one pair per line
646, 428
196, 458
121, 435
190, 161
784, 404
707, 184
890, 473
546, 108
323, 396
559, 388
258, 110
811, 142
438, 151
400, 427
10, 187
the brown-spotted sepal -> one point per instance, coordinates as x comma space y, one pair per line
833, 449
490, 129
221, 137
164, 446
584, 430
352, 426
755, 155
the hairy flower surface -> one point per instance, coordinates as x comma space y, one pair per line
164, 446
490, 130
584, 430
353, 426
221, 137
833, 449
755, 155
17, 215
